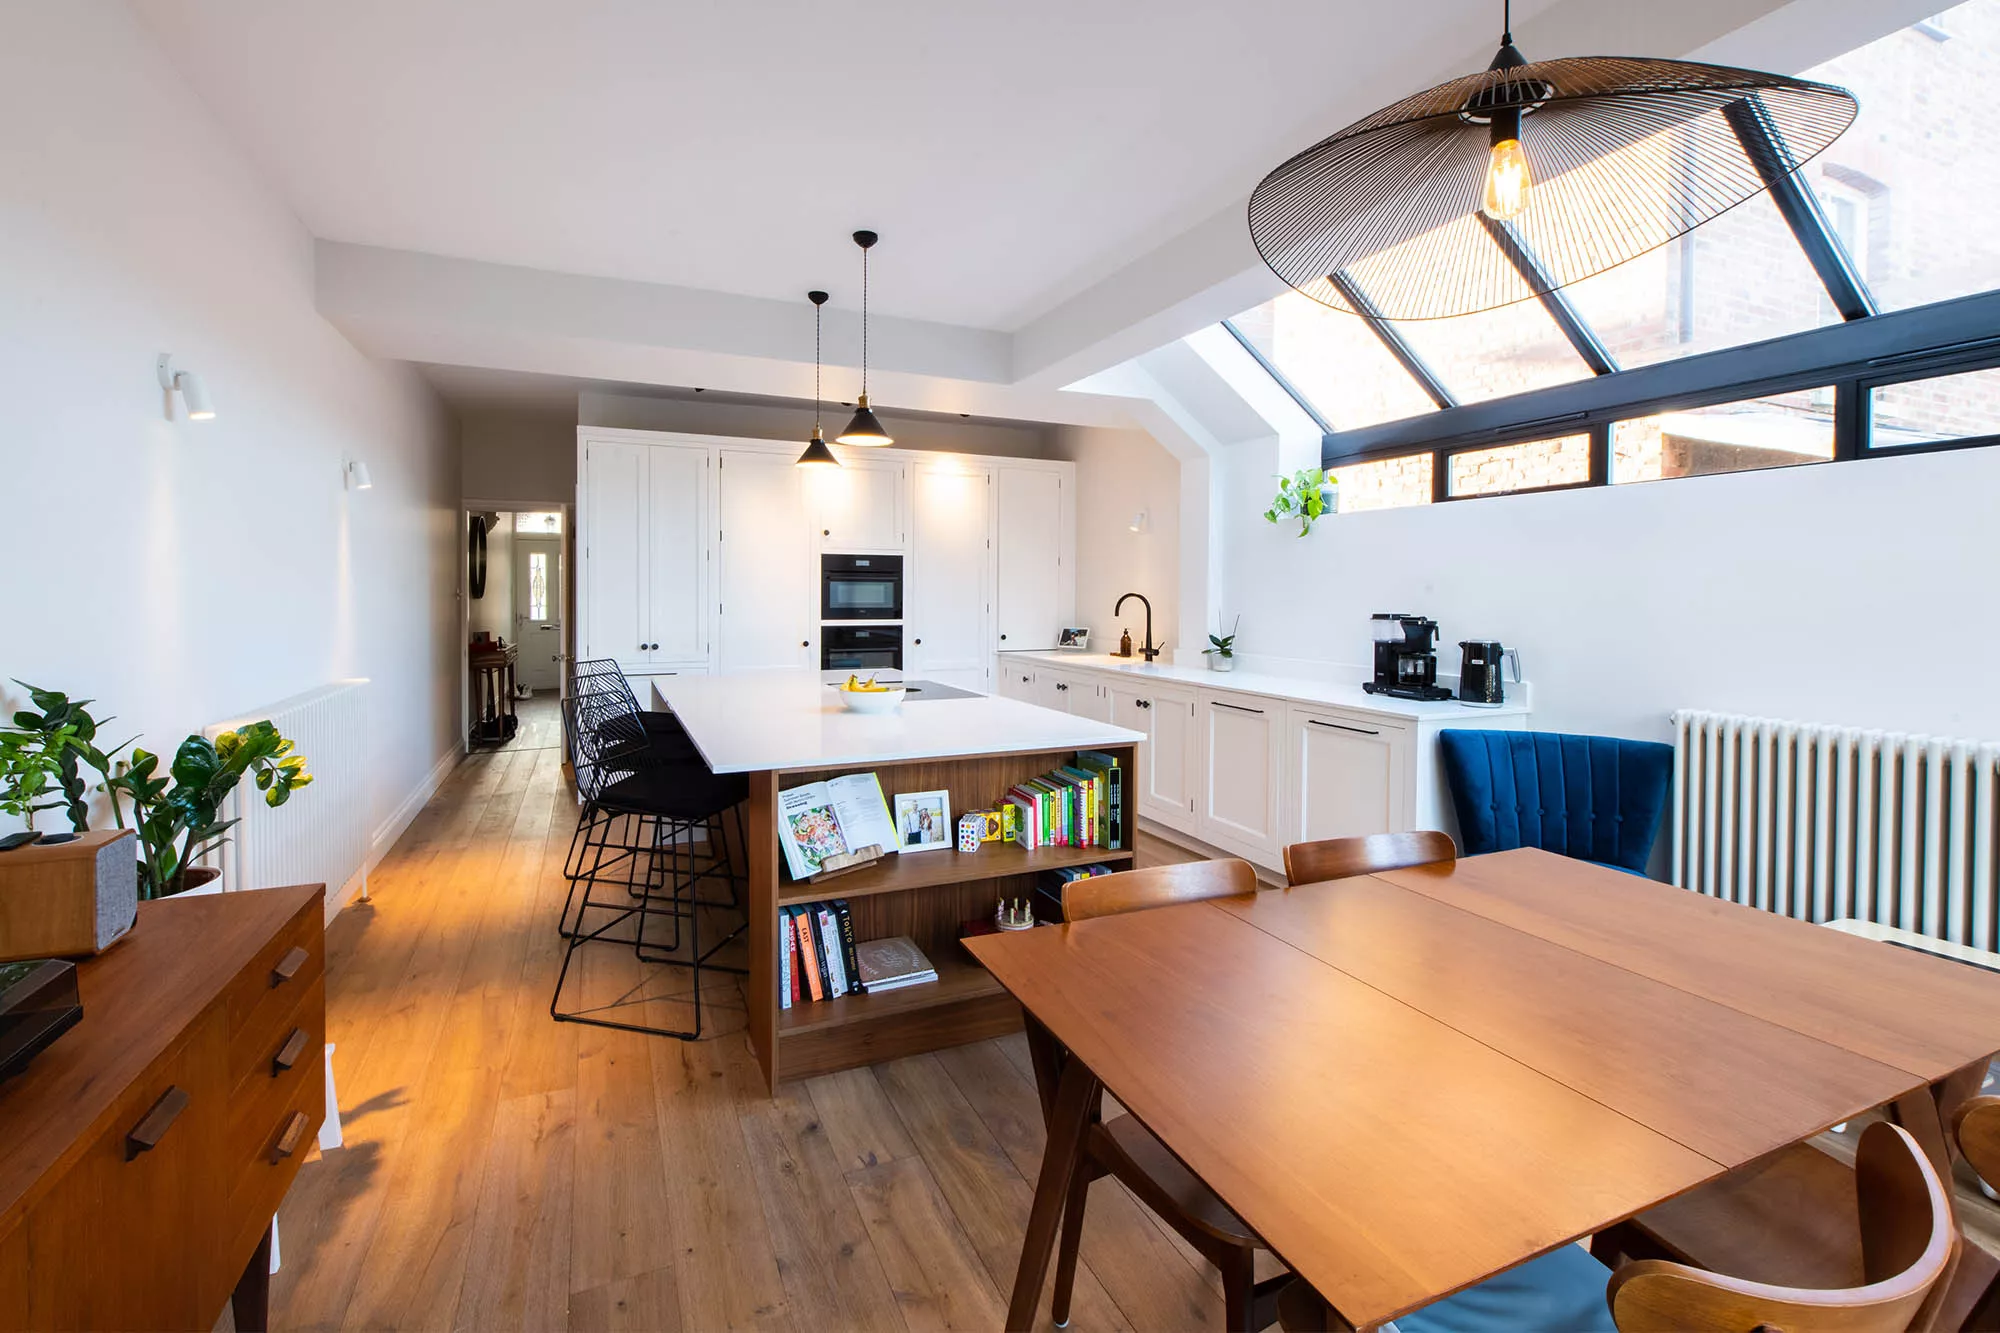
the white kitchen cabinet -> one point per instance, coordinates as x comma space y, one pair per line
1167, 758
1032, 524
1079, 694
1242, 744
861, 505
767, 610
644, 574
948, 580
1017, 682
1347, 775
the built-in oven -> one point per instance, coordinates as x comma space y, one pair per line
861, 587
861, 647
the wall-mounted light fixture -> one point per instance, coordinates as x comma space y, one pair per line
357, 475
1140, 522
187, 386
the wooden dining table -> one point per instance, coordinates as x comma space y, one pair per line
1408, 1082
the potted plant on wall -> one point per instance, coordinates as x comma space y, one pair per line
1221, 650
1307, 494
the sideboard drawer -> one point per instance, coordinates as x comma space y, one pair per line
270, 987
126, 1222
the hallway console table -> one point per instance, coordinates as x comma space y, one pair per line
143, 1155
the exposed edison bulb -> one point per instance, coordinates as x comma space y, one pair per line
1507, 181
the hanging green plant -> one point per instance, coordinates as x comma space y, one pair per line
1306, 495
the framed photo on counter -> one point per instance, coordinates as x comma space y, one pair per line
923, 821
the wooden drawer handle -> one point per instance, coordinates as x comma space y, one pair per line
288, 1054
146, 1135
288, 1141
288, 967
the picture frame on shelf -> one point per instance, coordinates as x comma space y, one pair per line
1075, 639
923, 821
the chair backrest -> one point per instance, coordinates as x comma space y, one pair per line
596, 757
1596, 798
607, 706
1338, 858
1907, 1239
1156, 886
1976, 1126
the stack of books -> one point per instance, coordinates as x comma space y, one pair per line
1049, 889
818, 958
1077, 805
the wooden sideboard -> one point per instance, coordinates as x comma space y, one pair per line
143, 1155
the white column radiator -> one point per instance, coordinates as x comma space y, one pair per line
1819, 822
321, 834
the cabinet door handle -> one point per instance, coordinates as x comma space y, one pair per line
1003, 638
288, 966
288, 1141
826, 532
1061, 686
1237, 707
146, 1135
1341, 726
1142, 703
805, 643
288, 1054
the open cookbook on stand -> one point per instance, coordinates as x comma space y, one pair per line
832, 818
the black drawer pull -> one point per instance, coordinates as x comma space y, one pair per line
146, 1135
1341, 726
288, 1054
288, 1141
1237, 707
288, 966
1142, 703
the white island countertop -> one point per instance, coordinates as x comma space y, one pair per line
760, 720
1334, 693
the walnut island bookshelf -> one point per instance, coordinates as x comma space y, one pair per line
785, 729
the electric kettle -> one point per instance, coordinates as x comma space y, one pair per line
1479, 673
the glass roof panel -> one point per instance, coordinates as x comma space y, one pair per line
1497, 352
1335, 360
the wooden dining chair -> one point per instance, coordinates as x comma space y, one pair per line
1124, 1148
1907, 1236
1340, 858
1976, 1128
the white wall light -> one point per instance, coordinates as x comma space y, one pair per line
1139, 523
188, 386
357, 476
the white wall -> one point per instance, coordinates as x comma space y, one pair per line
494, 612
519, 457
180, 573
1119, 473
1856, 593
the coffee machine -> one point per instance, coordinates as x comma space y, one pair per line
1406, 664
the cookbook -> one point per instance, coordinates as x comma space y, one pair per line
823, 819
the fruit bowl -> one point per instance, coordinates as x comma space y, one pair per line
871, 701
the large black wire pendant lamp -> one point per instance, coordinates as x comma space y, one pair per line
1529, 176
864, 429
816, 454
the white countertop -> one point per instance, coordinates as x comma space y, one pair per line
760, 720
1300, 689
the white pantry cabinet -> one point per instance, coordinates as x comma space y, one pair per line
1349, 775
948, 578
766, 607
645, 557
1033, 523
1241, 737
863, 504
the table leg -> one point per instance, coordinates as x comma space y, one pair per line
1061, 1159
250, 1303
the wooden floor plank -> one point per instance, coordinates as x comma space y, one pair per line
937, 1276
619, 1225
518, 1258
861, 1127
642, 1303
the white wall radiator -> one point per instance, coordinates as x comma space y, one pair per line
1820, 822
321, 834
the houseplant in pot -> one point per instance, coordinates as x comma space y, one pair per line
27, 779
1307, 494
176, 815
1221, 650
65, 734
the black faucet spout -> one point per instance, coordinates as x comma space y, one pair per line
1150, 651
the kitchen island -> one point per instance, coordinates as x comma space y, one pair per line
784, 729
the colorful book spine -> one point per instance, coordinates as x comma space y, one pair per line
852, 962
815, 976
829, 943
785, 959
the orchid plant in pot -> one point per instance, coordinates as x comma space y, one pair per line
1221, 650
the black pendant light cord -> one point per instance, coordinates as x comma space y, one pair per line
864, 323
816, 395
1506, 22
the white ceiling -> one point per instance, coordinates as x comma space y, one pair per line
1011, 154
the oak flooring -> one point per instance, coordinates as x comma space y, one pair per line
504, 1171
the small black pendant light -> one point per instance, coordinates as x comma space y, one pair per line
816, 454
864, 429
1429, 206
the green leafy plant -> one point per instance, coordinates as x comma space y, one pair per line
1223, 645
65, 734
26, 776
1302, 496
175, 815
